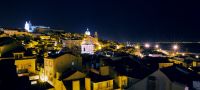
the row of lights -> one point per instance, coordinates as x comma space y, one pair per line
175, 47
147, 45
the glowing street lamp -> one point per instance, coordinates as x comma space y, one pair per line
137, 47
117, 47
156, 46
197, 56
183, 54
99, 47
147, 45
175, 47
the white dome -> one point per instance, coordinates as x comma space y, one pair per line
87, 32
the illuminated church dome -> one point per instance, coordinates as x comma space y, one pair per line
87, 32
87, 46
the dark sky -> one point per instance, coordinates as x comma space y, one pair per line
133, 20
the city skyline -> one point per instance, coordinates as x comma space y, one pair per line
99, 45
116, 20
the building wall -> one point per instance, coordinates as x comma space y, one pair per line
53, 66
45, 37
163, 65
10, 32
15, 32
177, 86
104, 70
195, 63
28, 64
90, 43
76, 85
87, 83
49, 70
104, 85
178, 62
87, 49
122, 81
67, 61
59, 85
71, 43
181, 61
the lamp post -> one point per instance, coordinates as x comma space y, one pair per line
175, 48
147, 45
157, 46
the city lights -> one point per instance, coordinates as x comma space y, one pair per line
43, 78
137, 46
183, 54
117, 47
175, 47
156, 46
196, 56
147, 45
99, 47
93, 45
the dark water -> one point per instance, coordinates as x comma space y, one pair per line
183, 47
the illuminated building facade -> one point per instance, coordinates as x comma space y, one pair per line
87, 46
30, 28
90, 43
25, 65
98, 82
54, 67
13, 31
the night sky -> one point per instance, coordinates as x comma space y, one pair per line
121, 20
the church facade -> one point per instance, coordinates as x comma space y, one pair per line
89, 43
30, 28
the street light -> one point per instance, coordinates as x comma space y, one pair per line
117, 47
156, 46
197, 56
183, 54
175, 47
147, 45
137, 46
99, 47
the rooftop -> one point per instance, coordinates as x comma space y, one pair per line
180, 74
98, 78
6, 40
